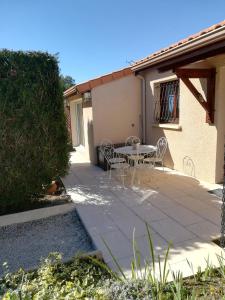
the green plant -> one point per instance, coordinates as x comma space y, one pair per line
221, 268
33, 132
81, 278
177, 286
146, 271
192, 269
209, 270
129, 289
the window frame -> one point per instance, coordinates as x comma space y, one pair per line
162, 114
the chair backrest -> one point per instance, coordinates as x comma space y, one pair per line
131, 140
105, 143
161, 147
108, 152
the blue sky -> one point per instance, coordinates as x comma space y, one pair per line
94, 37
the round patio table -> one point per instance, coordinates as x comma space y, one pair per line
141, 149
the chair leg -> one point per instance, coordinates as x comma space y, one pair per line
131, 172
133, 176
123, 178
138, 177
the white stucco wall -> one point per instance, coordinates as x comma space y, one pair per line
117, 110
201, 142
220, 122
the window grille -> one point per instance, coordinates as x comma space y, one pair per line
167, 102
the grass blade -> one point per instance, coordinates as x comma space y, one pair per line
151, 248
104, 266
166, 273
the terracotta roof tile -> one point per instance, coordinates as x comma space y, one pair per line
84, 87
181, 42
106, 79
87, 86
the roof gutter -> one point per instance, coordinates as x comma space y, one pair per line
71, 91
194, 44
143, 106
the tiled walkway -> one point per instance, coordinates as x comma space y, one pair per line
177, 208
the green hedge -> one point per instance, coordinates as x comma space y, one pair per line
33, 134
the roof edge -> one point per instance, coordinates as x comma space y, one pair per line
70, 91
92, 83
191, 43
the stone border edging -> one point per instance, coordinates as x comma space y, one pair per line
35, 214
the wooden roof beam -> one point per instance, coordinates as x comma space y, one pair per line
209, 74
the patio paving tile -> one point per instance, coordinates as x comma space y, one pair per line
148, 213
213, 215
191, 203
205, 230
199, 193
201, 208
183, 215
160, 245
127, 196
146, 195
119, 212
214, 202
172, 193
97, 222
118, 244
132, 225
161, 201
171, 230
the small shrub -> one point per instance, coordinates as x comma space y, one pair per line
130, 289
33, 134
79, 279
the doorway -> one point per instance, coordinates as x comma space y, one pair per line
79, 126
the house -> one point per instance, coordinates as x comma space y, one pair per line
177, 92
108, 107
184, 99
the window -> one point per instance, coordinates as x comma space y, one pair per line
167, 102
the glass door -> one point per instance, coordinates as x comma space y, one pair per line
79, 124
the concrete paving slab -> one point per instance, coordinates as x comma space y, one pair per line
177, 207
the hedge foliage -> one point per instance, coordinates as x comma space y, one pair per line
33, 134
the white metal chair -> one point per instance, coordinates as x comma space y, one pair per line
105, 144
120, 166
130, 141
143, 167
161, 148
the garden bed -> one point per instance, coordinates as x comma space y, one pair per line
87, 277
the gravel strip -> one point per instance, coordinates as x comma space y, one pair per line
24, 244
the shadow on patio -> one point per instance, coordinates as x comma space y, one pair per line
177, 208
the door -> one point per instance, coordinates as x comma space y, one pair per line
79, 127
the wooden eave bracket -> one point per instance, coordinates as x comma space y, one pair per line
209, 74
